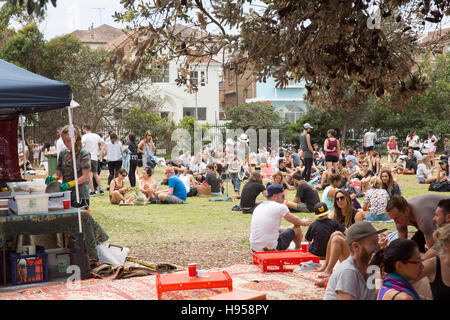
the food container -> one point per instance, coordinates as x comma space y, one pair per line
32, 203
57, 199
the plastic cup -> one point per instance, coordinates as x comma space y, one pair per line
66, 204
192, 267
304, 246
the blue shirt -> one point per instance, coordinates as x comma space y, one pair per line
296, 159
178, 186
351, 157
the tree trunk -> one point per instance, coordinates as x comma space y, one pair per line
344, 131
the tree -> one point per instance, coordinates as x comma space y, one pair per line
333, 45
252, 116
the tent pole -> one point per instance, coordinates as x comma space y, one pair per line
72, 138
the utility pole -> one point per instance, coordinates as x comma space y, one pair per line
100, 13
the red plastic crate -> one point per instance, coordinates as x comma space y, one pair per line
182, 281
276, 261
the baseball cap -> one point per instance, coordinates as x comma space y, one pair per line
321, 209
361, 230
307, 126
274, 189
169, 170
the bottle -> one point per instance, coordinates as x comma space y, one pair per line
23, 269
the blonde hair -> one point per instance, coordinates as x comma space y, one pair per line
442, 234
392, 138
78, 144
376, 183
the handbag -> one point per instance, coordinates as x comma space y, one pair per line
440, 186
152, 161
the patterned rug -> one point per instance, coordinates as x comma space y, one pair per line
276, 286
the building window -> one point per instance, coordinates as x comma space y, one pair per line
291, 113
163, 74
245, 94
194, 77
191, 112
202, 78
230, 75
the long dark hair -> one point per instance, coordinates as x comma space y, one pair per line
398, 250
340, 215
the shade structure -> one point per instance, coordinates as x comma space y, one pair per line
23, 92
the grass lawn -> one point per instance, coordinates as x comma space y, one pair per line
200, 230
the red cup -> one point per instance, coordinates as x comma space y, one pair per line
66, 204
304, 246
192, 267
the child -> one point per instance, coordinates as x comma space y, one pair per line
36, 156
320, 231
334, 182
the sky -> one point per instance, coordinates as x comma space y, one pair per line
71, 15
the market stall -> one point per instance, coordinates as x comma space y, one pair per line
23, 92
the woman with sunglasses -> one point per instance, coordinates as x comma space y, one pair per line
147, 148
400, 264
337, 248
117, 189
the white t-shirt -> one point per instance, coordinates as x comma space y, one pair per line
370, 139
187, 182
413, 142
60, 146
90, 142
265, 225
114, 151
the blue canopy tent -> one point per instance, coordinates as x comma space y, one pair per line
23, 92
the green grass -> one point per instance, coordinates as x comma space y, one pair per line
199, 219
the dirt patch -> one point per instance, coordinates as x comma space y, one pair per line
207, 254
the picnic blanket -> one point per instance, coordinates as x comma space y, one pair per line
276, 286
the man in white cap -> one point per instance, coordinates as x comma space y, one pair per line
349, 280
308, 151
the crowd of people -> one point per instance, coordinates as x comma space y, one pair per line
341, 232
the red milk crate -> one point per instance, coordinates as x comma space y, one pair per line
34, 270
276, 261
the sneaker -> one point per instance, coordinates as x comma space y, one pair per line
102, 192
92, 193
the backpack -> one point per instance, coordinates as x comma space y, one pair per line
440, 186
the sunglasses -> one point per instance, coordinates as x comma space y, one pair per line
124, 175
342, 198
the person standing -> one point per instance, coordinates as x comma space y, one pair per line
413, 140
308, 151
64, 168
332, 151
132, 148
431, 146
113, 156
94, 144
349, 280
147, 148
369, 142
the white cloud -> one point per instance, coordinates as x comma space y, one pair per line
70, 15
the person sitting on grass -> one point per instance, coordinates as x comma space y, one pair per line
266, 231
250, 192
213, 180
320, 231
444, 170
364, 176
389, 183
410, 163
401, 263
424, 171
147, 185
375, 202
437, 269
349, 280
334, 182
337, 248
118, 191
305, 198
176, 193
277, 178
